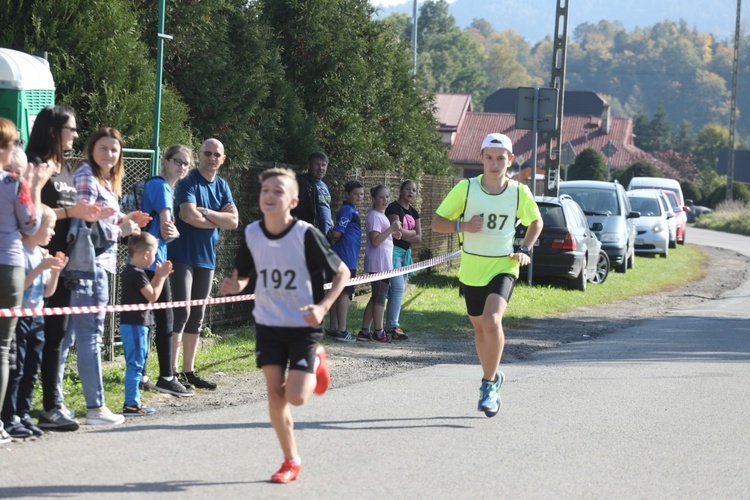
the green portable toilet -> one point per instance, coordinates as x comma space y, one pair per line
26, 87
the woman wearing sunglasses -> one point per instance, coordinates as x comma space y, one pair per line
158, 201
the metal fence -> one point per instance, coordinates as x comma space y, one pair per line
245, 186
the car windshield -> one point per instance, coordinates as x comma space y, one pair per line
648, 207
594, 201
552, 215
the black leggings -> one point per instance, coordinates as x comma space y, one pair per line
164, 320
54, 332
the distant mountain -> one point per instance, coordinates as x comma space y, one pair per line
535, 19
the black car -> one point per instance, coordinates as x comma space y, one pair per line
567, 247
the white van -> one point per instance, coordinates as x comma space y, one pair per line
657, 183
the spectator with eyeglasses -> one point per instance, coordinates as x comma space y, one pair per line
158, 201
203, 207
52, 135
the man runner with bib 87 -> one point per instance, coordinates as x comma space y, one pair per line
485, 210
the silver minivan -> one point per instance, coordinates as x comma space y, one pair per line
608, 211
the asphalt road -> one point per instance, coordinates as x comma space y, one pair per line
660, 410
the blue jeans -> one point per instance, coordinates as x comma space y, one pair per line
89, 330
29, 346
67, 342
396, 293
135, 344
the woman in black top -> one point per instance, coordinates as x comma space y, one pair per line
52, 135
411, 232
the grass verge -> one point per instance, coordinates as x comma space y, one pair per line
431, 305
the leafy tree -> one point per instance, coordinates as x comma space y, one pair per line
351, 75
641, 168
242, 100
100, 68
711, 139
449, 60
589, 165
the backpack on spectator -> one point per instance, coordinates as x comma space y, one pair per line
132, 200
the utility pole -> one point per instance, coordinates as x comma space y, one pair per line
160, 37
554, 143
733, 105
414, 41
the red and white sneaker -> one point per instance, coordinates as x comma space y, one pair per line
322, 374
288, 472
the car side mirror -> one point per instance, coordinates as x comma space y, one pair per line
634, 215
670, 215
597, 226
686, 208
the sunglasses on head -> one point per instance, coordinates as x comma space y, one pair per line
209, 154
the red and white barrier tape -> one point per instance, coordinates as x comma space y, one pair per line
59, 311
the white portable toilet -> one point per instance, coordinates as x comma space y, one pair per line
26, 87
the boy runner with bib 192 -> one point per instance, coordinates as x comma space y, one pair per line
290, 258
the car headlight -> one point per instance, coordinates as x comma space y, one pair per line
607, 237
658, 228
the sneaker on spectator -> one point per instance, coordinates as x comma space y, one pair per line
66, 411
330, 332
363, 337
173, 387
288, 472
322, 374
16, 430
4, 436
182, 378
197, 382
57, 419
345, 336
380, 336
103, 416
140, 410
30, 425
398, 334
147, 385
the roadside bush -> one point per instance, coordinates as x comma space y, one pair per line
740, 192
729, 216
691, 192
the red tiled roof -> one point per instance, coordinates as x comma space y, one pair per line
582, 131
451, 109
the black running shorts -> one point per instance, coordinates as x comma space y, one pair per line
476, 296
292, 347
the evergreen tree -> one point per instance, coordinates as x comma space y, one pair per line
684, 140
100, 68
589, 165
641, 168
